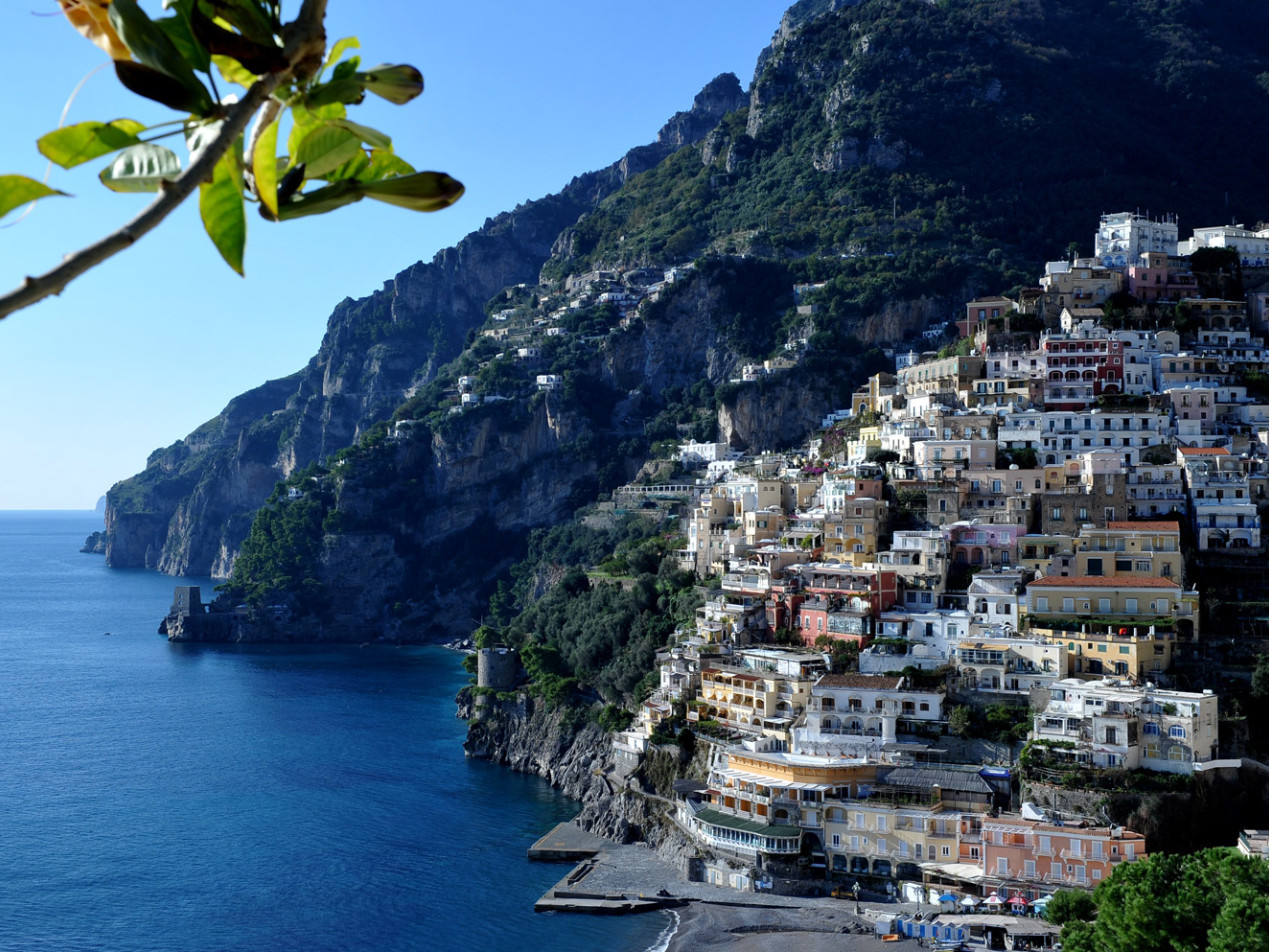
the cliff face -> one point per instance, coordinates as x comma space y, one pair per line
576, 760
189, 510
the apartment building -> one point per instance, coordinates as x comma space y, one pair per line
1108, 723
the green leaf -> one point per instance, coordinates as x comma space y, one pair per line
141, 168
325, 149
372, 137
181, 35
339, 49
84, 141
224, 218
245, 16
321, 200
397, 84
157, 85
341, 90
152, 47
353, 169
306, 118
420, 192
384, 165
264, 167
18, 190
233, 71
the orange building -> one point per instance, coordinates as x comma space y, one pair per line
1031, 855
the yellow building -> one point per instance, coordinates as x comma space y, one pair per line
756, 702
1130, 550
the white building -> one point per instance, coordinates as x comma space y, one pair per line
1113, 725
856, 714
1122, 236
1252, 246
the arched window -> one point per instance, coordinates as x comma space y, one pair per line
1150, 729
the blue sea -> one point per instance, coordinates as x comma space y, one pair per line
182, 798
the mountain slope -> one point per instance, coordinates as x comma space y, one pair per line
189, 510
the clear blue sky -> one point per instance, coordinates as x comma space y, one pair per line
520, 98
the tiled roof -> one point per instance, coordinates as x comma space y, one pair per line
879, 682
1101, 581
1152, 526
1203, 451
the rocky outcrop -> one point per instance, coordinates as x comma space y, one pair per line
95, 544
774, 414
189, 510
577, 760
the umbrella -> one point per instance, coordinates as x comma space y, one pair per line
969, 902
1017, 900
947, 897
993, 899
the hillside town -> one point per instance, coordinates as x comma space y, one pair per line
934, 632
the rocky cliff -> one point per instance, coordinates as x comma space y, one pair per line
189, 510
577, 759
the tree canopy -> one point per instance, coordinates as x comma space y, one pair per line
296, 90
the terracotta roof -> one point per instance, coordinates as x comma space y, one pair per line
866, 681
1101, 581
1203, 451
1149, 526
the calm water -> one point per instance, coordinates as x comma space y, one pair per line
182, 798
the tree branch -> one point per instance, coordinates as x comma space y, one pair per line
170, 196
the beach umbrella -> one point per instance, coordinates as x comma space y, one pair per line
969, 902
947, 902
993, 899
947, 897
1018, 902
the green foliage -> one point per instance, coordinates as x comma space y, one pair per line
1067, 905
1211, 900
614, 718
604, 635
280, 558
174, 60
959, 720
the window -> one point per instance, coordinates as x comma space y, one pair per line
1068, 605
1130, 606
1041, 604
1103, 604
837, 841
1177, 731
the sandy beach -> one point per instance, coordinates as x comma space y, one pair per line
707, 926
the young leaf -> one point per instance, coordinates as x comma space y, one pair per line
224, 218
397, 84
264, 167
141, 168
420, 192
338, 50
372, 137
84, 141
384, 165
326, 148
233, 71
17, 190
